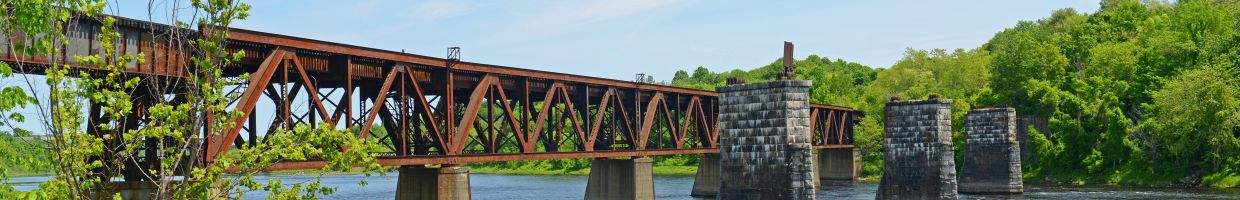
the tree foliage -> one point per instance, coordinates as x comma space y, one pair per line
1139, 92
174, 128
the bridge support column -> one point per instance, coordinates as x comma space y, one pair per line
992, 154
620, 179
839, 164
706, 182
764, 148
445, 182
129, 190
918, 162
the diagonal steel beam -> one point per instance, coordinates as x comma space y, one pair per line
535, 132
689, 112
586, 142
512, 118
427, 115
643, 135
382, 96
309, 86
470, 114
598, 116
217, 145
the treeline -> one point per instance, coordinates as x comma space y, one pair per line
22, 155
1137, 93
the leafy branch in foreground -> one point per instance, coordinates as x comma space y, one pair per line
135, 117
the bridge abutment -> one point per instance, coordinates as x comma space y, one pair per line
918, 161
992, 154
620, 179
764, 149
839, 164
706, 182
445, 182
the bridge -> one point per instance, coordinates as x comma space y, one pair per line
433, 110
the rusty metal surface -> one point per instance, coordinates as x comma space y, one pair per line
789, 63
446, 111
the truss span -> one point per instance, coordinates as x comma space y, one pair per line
426, 110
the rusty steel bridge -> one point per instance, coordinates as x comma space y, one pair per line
433, 110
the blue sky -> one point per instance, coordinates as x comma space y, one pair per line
617, 39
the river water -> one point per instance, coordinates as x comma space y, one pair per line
511, 187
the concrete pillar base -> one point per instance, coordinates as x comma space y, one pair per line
706, 182
918, 157
446, 182
620, 179
136, 190
991, 154
839, 164
764, 141
815, 168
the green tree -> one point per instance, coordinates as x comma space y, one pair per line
1196, 118
176, 126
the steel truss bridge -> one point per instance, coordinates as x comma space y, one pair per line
433, 110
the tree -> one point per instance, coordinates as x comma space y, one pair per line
1022, 54
173, 127
1196, 118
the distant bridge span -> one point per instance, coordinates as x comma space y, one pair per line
433, 110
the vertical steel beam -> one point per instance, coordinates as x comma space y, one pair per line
348, 94
403, 147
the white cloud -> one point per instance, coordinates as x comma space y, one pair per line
562, 18
433, 10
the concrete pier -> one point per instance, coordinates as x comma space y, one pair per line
764, 146
918, 162
839, 164
130, 190
425, 183
992, 154
620, 179
706, 182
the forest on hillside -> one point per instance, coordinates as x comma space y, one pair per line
1137, 93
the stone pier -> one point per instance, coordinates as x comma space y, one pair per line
764, 148
620, 179
992, 154
131, 190
445, 182
839, 164
918, 162
706, 182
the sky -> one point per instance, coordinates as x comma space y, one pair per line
618, 39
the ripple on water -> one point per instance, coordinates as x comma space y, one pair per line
511, 187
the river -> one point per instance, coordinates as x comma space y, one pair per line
510, 187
